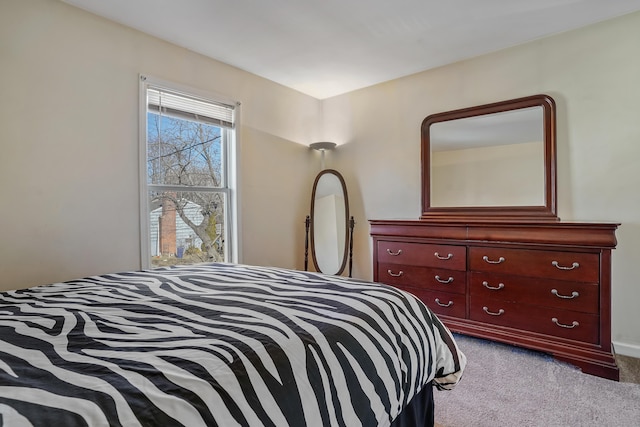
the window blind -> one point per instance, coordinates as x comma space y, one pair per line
188, 108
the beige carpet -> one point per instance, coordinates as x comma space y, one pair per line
509, 386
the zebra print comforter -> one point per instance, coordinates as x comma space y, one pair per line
217, 345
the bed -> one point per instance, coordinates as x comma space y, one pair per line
221, 345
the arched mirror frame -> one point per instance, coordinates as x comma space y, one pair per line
546, 212
347, 223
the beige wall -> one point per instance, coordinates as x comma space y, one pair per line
593, 75
69, 145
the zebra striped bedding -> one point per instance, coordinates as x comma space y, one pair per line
217, 345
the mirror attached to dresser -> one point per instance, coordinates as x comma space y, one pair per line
495, 161
489, 255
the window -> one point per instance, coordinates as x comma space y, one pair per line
187, 176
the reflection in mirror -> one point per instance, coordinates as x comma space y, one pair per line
494, 161
329, 224
503, 152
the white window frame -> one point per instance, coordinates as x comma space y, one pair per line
230, 187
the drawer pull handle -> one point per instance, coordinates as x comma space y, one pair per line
487, 260
449, 280
573, 325
573, 295
486, 310
391, 273
494, 288
437, 255
449, 304
390, 252
559, 267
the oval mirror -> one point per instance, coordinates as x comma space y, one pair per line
329, 222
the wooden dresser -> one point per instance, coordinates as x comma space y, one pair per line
541, 285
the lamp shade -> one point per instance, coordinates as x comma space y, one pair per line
323, 145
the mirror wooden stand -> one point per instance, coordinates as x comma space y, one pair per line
329, 229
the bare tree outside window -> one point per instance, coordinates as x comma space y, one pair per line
184, 153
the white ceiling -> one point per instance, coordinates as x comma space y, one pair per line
328, 47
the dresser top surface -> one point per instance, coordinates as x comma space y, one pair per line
564, 233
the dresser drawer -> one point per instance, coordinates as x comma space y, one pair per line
576, 296
423, 277
422, 254
573, 266
446, 303
545, 320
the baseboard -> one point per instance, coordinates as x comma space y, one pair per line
631, 350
